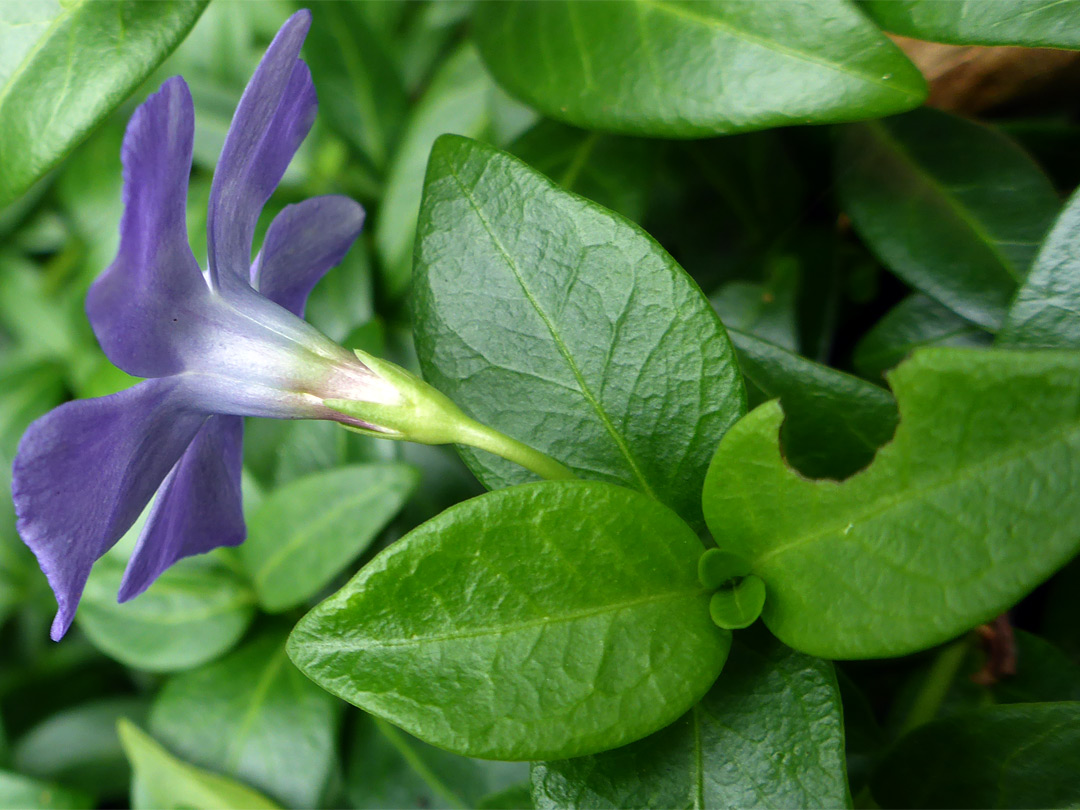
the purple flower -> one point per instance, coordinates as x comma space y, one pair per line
217, 347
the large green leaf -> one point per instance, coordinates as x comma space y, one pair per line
566, 326
23, 793
1046, 312
163, 782
1025, 755
835, 422
693, 69
963, 513
770, 733
1035, 23
954, 208
253, 717
547, 620
304, 534
65, 65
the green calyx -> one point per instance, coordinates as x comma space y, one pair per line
739, 596
425, 415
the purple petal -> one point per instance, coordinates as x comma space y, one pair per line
303, 242
273, 117
85, 471
197, 509
154, 283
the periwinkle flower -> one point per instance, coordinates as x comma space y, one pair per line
216, 347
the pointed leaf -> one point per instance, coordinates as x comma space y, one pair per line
1035, 23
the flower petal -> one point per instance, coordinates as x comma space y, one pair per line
197, 509
85, 471
303, 242
154, 283
273, 117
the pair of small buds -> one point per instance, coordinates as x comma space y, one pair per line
739, 595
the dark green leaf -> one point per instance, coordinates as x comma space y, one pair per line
1035, 23
1046, 312
766, 311
307, 532
253, 717
693, 69
1044, 673
768, 734
1004, 756
18, 792
564, 325
954, 208
551, 619
963, 513
915, 322
66, 65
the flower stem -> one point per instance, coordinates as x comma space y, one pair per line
483, 437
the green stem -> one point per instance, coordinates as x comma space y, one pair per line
483, 437
936, 686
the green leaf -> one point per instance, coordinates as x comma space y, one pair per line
192, 614
765, 311
1046, 311
1025, 755
738, 606
66, 65
1044, 673
835, 422
389, 768
562, 324
78, 747
163, 782
768, 734
915, 322
954, 208
308, 531
962, 514
693, 69
23, 793
551, 619
252, 716
1035, 23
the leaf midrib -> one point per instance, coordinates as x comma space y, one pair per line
43, 40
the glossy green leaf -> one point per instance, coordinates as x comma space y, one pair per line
564, 325
1035, 23
551, 619
78, 747
65, 65
305, 533
694, 69
19, 792
738, 606
765, 311
962, 514
915, 322
1046, 311
389, 768
835, 422
193, 613
768, 734
954, 208
1026, 755
252, 716
163, 782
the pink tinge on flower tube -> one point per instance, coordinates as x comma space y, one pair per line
217, 347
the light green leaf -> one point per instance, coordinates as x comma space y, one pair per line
961, 515
308, 531
1020, 756
65, 65
769, 734
1035, 23
1046, 311
163, 782
954, 208
252, 716
566, 326
19, 792
551, 619
693, 69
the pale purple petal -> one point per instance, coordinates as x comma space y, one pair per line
303, 242
273, 118
197, 509
85, 471
154, 287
